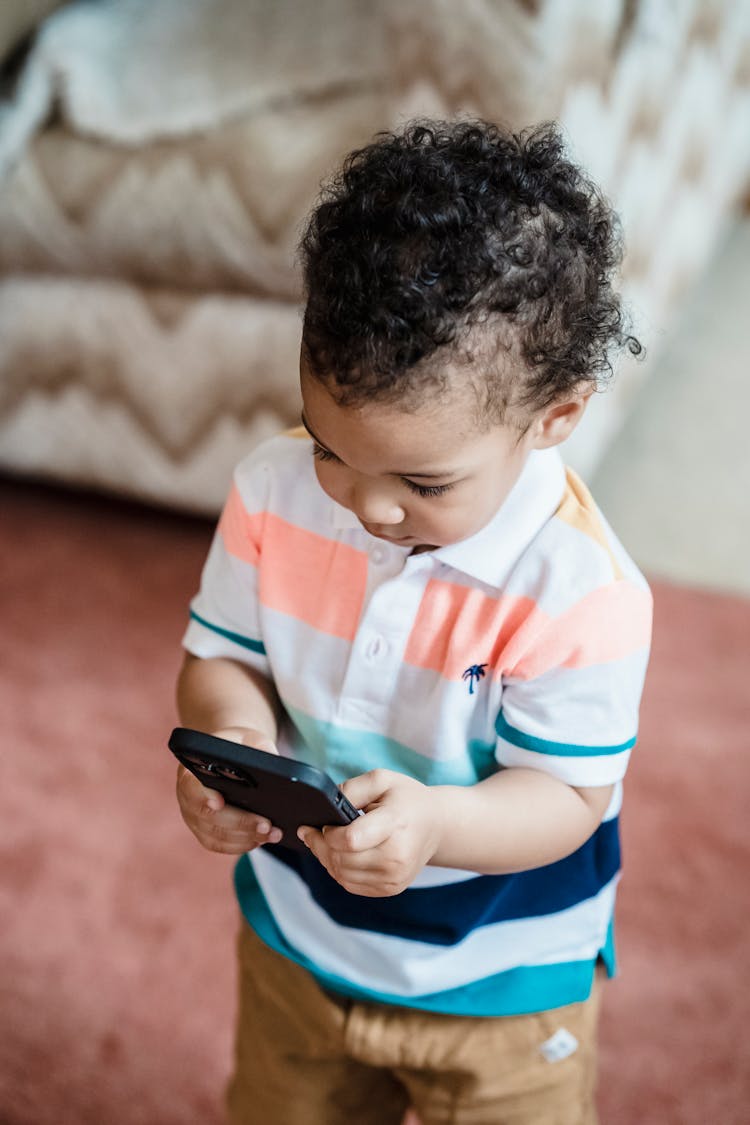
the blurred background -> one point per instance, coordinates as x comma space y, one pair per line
157, 158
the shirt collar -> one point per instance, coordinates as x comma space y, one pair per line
491, 553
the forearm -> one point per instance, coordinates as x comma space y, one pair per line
515, 820
217, 694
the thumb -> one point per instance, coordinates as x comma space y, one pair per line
366, 788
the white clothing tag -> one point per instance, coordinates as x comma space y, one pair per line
560, 1046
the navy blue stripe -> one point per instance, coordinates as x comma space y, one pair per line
445, 915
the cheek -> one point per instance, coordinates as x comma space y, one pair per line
465, 515
440, 521
329, 480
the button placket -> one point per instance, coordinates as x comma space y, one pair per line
377, 653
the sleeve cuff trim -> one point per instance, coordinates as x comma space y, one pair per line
544, 746
237, 638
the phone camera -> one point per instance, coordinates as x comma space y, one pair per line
200, 764
233, 773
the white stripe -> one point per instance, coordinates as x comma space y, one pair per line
209, 645
581, 565
441, 877
308, 666
295, 495
600, 769
615, 803
227, 599
440, 717
412, 968
593, 706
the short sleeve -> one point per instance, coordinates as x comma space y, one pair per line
570, 704
224, 616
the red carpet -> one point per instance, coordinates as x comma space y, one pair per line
116, 993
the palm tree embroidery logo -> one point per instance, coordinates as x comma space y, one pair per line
473, 674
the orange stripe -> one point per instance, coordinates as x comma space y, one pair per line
314, 579
577, 508
317, 580
457, 626
240, 531
608, 624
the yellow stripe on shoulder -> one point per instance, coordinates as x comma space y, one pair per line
297, 432
577, 508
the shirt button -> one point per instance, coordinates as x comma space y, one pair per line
378, 555
375, 648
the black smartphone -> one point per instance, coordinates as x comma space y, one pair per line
289, 793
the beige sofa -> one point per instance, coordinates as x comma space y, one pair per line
150, 300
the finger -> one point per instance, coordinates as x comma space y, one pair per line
327, 844
366, 788
239, 825
233, 825
223, 847
360, 873
250, 834
207, 806
362, 835
341, 866
313, 839
194, 794
215, 833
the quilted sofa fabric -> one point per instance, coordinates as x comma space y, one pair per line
150, 300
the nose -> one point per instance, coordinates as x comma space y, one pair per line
373, 505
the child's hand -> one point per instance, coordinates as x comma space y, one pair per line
379, 854
217, 826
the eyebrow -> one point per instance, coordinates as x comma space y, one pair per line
420, 476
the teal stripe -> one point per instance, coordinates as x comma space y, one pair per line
609, 953
545, 746
345, 752
511, 993
246, 642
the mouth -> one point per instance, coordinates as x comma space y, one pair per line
416, 545
388, 538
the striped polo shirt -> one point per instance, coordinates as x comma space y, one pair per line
523, 645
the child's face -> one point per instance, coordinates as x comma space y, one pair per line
420, 477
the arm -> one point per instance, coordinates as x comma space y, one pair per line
231, 700
516, 820
221, 694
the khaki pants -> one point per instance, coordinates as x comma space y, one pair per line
305, 1058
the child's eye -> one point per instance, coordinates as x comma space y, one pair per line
427, 489
321, 454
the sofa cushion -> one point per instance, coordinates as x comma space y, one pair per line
151, 393
220, 210
18, 18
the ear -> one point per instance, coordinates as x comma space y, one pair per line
558, 420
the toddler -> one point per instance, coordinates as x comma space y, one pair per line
413, 593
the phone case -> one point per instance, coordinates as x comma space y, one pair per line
288, 792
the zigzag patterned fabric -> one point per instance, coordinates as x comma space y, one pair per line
202, 229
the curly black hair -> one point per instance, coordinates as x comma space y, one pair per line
461, 239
